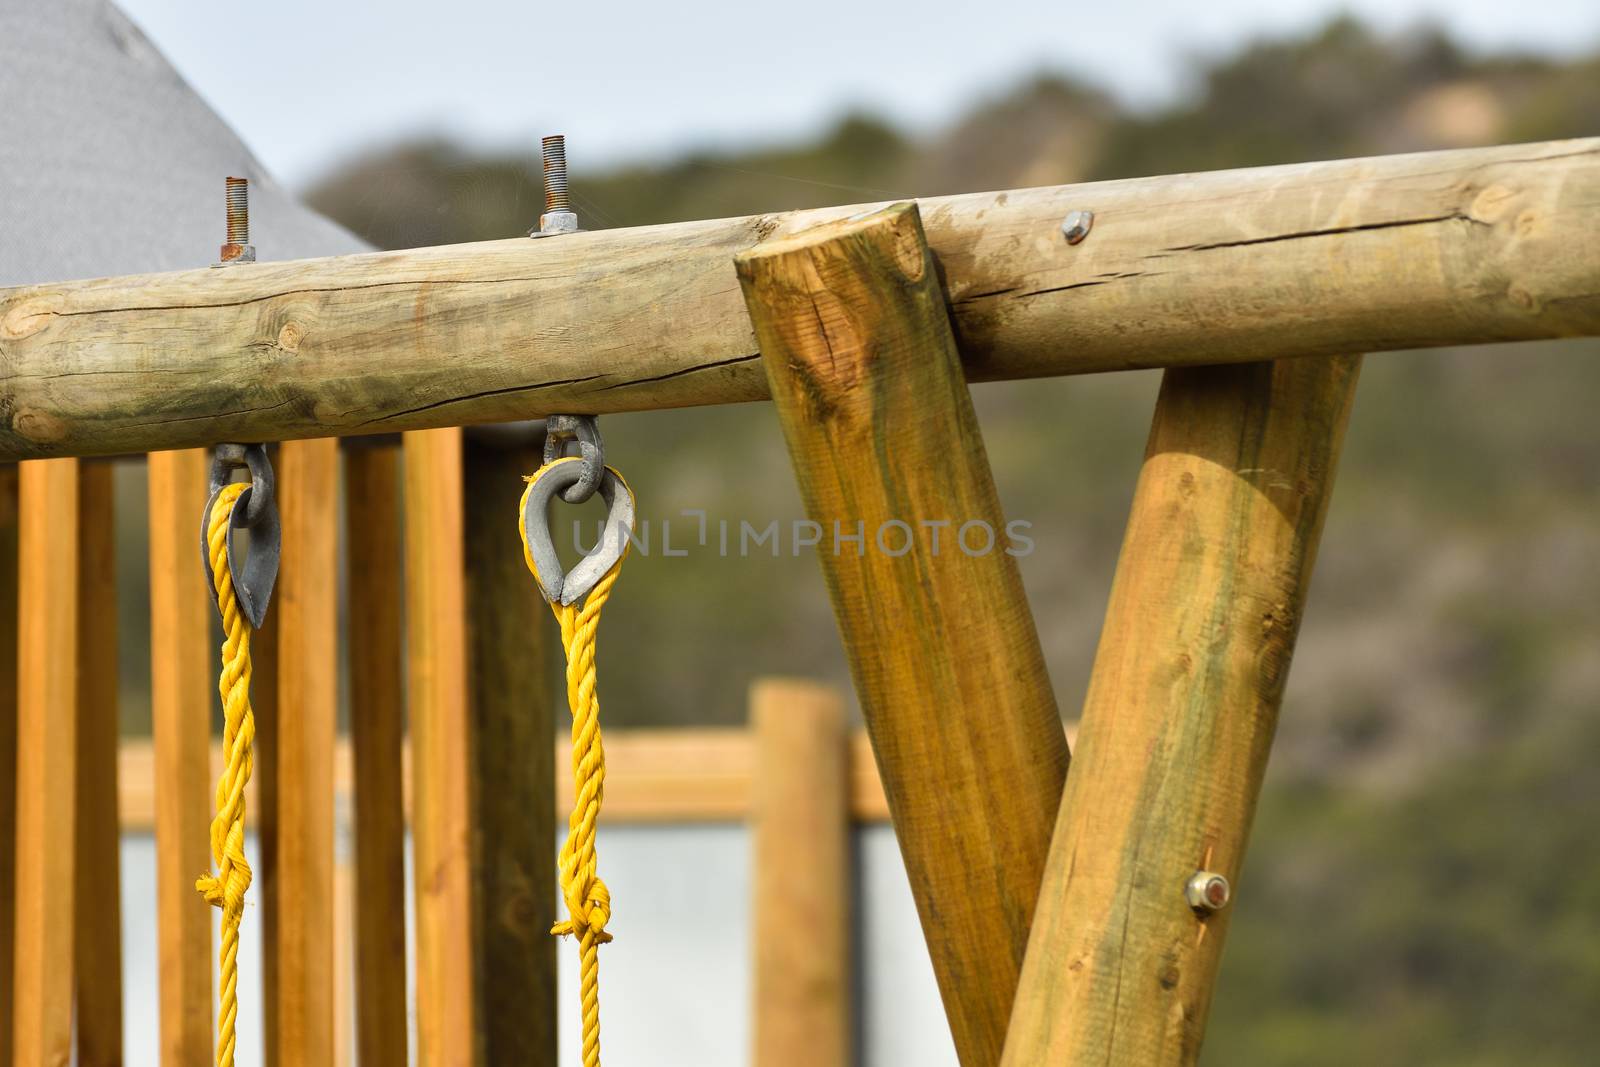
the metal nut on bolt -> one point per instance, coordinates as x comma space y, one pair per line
1076, 226
1207, 891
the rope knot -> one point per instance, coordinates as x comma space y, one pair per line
587, 912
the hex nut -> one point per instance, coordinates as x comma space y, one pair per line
1207, 891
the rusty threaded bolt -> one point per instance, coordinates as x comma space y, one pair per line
558, 215
554, 148
1207, 891
238, 248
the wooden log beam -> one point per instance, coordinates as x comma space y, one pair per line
942, 647
800, 837
1458, 247
377, 731
1181, 708
512, 720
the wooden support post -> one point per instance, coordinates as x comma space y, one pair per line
47, 639
377, 706
867, 384
441, 753
302, 741
1180, 711
8, 747
183, 687
512, 723
98, 935
801, 844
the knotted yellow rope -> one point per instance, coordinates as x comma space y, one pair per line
588, 900
227, 887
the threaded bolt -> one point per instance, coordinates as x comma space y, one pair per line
555, 173
558, 215
238, 248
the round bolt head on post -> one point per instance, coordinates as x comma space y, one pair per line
1207, 891
1076, 226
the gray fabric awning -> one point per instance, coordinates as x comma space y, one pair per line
111, 164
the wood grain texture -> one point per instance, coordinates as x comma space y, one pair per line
1180, 712
47, 661
436, 661
305, 605
801, 872
98, 933
511, 650
183, 687
377, 731
1439, 248
879, 421
8, 747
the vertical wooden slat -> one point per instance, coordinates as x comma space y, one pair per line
869, 390
372, 509
1180, 711
182, 691
98, 944
513, 776
303, 738
441, 752
47, 657
801, 845
8, 747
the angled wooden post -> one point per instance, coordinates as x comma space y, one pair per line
869, 389
377, 706
47, 655
1180, 712
8, 747
436, 663
183, 686
302, 740
513, 773
800, 830
97, 938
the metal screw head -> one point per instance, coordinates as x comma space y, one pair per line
1207, 891
1076, 226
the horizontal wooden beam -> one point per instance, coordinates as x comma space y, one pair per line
1441, 248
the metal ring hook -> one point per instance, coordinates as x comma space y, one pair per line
255, 512
560, 587
585, 431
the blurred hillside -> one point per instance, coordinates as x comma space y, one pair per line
1423, 888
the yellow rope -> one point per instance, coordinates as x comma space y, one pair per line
588, 900
227, 887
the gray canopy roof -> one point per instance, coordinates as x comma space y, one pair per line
111, 164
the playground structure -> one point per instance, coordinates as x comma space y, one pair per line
1071, 918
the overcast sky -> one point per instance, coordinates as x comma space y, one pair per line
308, 82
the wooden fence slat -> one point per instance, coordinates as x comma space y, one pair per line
98, 941
8, 747
437, 701
302, 740
1180, 712
801, 848
512, 721
377, 706
47, 639
182, 691
868, 387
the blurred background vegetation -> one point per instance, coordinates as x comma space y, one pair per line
1424, 886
